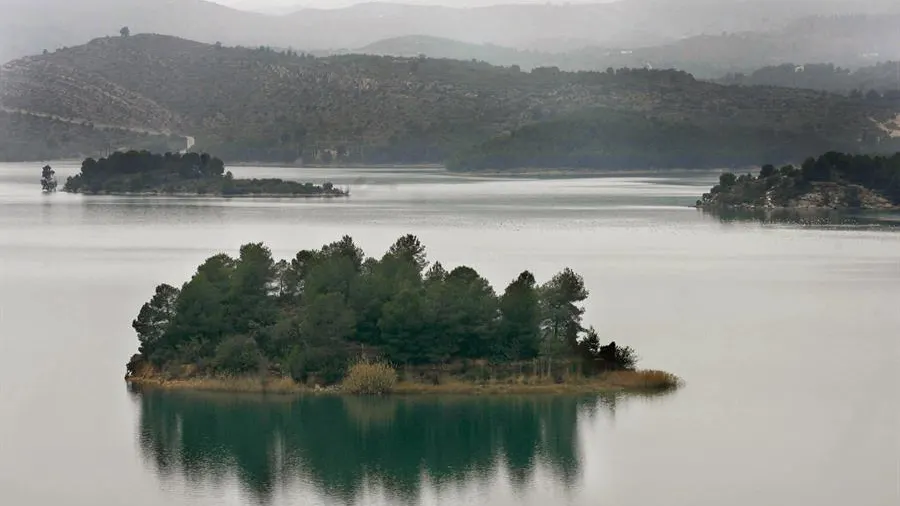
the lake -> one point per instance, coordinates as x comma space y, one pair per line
787, 336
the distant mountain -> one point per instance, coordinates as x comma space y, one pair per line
30, 26
259, 104
849, 41
436, 47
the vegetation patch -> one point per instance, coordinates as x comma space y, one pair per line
369, 378
142, 172
305, 319
832, 181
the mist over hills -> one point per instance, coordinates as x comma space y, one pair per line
30, 26
849, 41
257, 104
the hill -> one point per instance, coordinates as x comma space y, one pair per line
26, 137
883, 78
259, 104
30, 26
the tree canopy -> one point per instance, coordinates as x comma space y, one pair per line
310, 315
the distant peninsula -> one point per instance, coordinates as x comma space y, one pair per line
831, 181
333, 320
145, 173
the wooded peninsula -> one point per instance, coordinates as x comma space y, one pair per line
831, 181
142, 172
331, 319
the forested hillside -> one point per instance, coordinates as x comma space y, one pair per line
882, 78
264, 105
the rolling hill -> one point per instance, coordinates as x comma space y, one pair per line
30, 26
259, 104
847, 41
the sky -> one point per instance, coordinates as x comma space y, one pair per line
291, 5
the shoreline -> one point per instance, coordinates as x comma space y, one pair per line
210, 195
611, 382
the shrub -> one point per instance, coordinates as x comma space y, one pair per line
625, 357
370, 378
238, 355
325, 364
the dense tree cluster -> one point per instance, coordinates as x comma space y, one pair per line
142, 171
849, 174
311, 315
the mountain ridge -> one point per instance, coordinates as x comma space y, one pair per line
247, 104
30, 26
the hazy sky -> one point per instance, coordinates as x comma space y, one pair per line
282, 5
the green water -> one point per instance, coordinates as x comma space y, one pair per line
343, 448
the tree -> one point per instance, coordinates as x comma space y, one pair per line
409, 249
467, 313
727, 180
48, 179
518, 337
250, 303
200, 310
562, 314
405, 326
154, 318
125, 31
767, 171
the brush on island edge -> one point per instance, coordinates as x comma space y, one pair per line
831, 181
142, 173
333, 320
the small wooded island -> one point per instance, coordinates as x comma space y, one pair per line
145, 173
333, 320
831, 181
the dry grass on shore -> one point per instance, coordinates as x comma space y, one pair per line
618, 381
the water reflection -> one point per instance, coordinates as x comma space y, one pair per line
813, 218
343, 445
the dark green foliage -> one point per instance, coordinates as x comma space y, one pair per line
142, 171
518, 336
153, 320
238, 354
309, 317
842, 180
561, 297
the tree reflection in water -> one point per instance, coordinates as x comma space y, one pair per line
342, 444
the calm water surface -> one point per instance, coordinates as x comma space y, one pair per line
788, 337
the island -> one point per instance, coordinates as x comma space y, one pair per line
831, 181
331, 320
145, 173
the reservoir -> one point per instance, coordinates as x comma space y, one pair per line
786, 334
